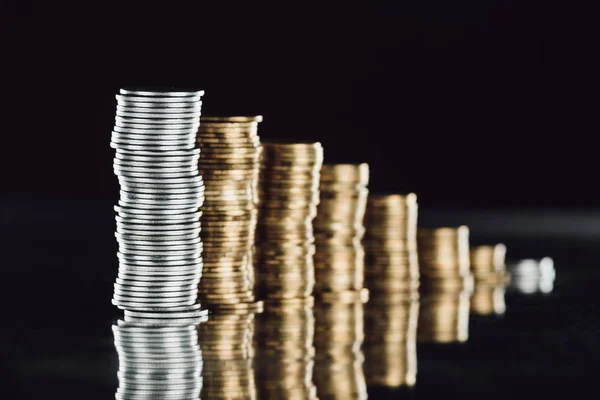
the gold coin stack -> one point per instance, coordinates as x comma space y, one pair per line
488, 264
227, 343
339, 334
230, 165
446, 284
390, 341
285, 333
390, 244
339, 229
289, 195
392, 277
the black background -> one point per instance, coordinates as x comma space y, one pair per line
469, 103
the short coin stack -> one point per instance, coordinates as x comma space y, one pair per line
289, 195
392, 277
339, 335
158, 361
338, 228
227, 342
158, 219
285, 333
390, 244
489, 270
531, 276
447, 284
229, 165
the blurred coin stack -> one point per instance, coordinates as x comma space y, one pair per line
289, 195
158, 362
339, 335
390, 244
227, 342
338, 228
489, 270
229, 165
285, 352
158, 219
447, 284
392, 277
531, 276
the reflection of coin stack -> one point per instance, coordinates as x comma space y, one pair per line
285, 335
338, 227
489, 270
227, 342
339, 335
157, 223
158, 362
285, 247
229, 164
339, 277
446, 284
392, 276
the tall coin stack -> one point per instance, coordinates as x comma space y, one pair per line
447, 284
158, 362
339, 273
289, 195
392, 276
489, 270
158, 219
339, 335
227, 342
230, 165
338, 228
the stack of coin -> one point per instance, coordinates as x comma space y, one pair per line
158, 219
227, 342
289, 195
390, 244
392, 277
284, 365
447, 284
339, 334
390, 339
338, 228
489, 270
230, 165
158, 361
531, 276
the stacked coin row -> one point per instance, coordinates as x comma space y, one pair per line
285, 333
489, 271
158, 219
390, 341
390, 243
289, 195
444, 257
339, 335
227, 342
338, 227
158, 361
229, 165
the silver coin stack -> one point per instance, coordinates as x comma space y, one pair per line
532, 276
158, 362
158, 228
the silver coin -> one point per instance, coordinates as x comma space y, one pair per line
153, 296
152, 289
168, 196
158, 132
164, 163
158, 244
161, 92
170, 321
142, 103
167, 314
150, 395
168, 201
195, 180
152, 249
134, 230
160, 210
163, 188
152, 139
132, 277
131, 305
169, 342
155, 281
157, 123
132, 256
129, 328
137, 114
153, 109
154, 148
144, 192
182, 379
166, 259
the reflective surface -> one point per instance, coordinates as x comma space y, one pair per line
520, 345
